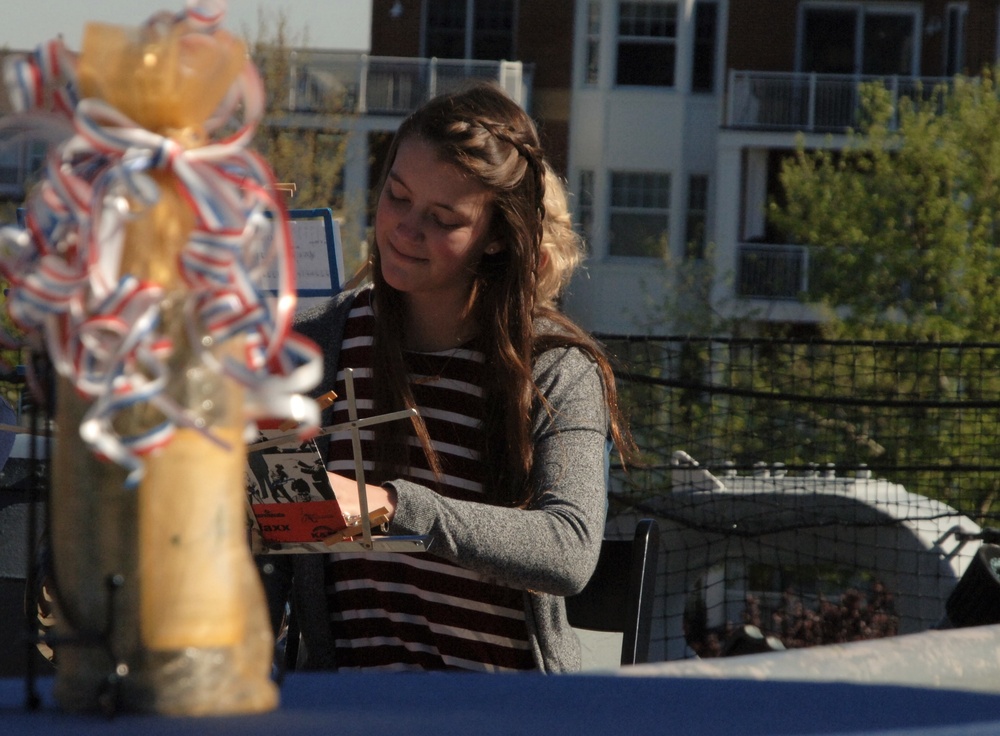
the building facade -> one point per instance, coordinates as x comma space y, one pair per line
538, 35
668, 118
792, 68
682, 111
646, 104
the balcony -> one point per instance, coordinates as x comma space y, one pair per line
807, 102
385, 85
767, 271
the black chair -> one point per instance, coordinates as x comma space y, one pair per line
619, 596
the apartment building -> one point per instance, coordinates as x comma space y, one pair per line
669, 119
648, 81
420, 48
536, 35
792, 67
627, 96
681, 114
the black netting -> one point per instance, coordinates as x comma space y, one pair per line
823, 491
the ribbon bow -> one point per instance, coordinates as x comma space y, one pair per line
102, 326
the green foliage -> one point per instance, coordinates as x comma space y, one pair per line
903, 221
921, 414
306, 149
902, 225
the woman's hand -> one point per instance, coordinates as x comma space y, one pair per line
346, 491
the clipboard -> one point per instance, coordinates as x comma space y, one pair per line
319, 256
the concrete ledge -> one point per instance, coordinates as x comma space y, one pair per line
957, 659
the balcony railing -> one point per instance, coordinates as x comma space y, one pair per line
766, 271
386, 85
808, 102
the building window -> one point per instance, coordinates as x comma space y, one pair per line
640, 214
954, 38
21, 159
593, 41
10, 164
585, 208
706, 18
697, 217
445, 29
493, 29
469, 29
647, 43
860, 38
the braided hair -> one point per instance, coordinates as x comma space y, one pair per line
486, 134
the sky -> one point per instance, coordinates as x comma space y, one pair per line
327, 24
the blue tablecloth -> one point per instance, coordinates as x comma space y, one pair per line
441, 704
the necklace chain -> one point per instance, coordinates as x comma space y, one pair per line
437, 376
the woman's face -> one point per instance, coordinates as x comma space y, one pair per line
431, 225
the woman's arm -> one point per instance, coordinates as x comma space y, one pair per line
552, 546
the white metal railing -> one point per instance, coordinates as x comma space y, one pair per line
808, 101
770, 271
363, 84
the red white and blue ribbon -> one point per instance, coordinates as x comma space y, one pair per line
102, 327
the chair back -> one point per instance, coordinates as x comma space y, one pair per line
619, 596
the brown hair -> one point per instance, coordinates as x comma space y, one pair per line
486, 134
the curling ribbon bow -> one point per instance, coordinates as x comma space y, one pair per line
100, 325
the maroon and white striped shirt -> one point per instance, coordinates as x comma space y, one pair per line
391, 610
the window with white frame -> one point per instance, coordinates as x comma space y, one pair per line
647, 43
469, 29
860, 38
696, 238
639, 219
954, 38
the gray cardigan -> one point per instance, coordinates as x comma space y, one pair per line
548, 550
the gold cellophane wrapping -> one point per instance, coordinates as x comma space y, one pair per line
189, 620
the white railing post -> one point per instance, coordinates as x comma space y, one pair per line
432, 81
512, 79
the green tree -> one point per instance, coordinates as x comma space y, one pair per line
305, 147
902, 225
902, 222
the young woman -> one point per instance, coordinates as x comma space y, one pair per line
503, 469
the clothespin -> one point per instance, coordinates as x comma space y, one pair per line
378, 516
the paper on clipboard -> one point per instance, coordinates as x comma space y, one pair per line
319, 264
